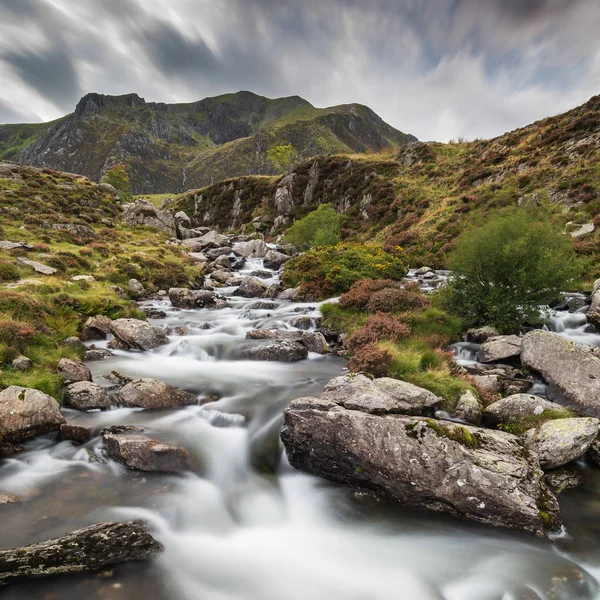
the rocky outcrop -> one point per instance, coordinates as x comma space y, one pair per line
571, 369
151, 393
85, 395
142, 212
185, 298
518, 407
496, 349
73, 370
86, 549
138, 335
558, 442
479, 474
26, 413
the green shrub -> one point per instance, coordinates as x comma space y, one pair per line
505, 270
319, 228
8, 271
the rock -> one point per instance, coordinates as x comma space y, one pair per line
272, 291
261, 305
222, 303
181, 330
223, 261
560, 480
221, 276
138, 335
183, 220
510, 387
251, 249
593, 313
481, 334
75, 433
8, 499
558, 442
151, 393
154, 313
212, 239
314, 341
251, 287
142, 212
215, 253
277, 350
21, 363
468, 408
198, 257
89, 278
82, 550
289, 294
583, 230
72, 342
140, 452
73, 370
305, 323
516, 408
85, 395
499, 348
37, 266
572, 370
118, 429
109, 189
479, 474
27, 413
7, 245
184, 298
117, 378
489, 383
274, 260
136, 288
97, 354
96, 328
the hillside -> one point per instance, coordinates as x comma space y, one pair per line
174, 147
427, 194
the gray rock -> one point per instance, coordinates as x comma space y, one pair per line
97, 354
251, 249
572, 370
142, 453
96, 328
138, 335
274, 259
21, 363
212, 239
7, 245
117, 378
37, 266
277, 350
489, 383
85, 395
583, 230
593, 313
82, 550
515, 408
305, 323
261, 305
136, 288
142, 212
151, 393
560, 480
182, 219
479, 474
558, 442
185, 298
499, 348
198, 257
83, 278
72, 342
468, 408
27, 413
73, 370
108, 188
223, 261
8, 499
251, 287
423, 271
481, 334
221, 276
314, 341
594, 452
289, 294
75, 433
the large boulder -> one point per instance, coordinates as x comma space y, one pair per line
73, 370
212, 239
276, 350
85, 395
558, 442
185, 298
502, 347
142, 212
479, 474
142, 453
138, 335
151, 393
274, 259
251, 287
480, 335
96, 328
251, 249
86, 549
571, 369
519, 408
313, 341
26, 413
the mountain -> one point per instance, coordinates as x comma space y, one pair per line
428, 193
174, 147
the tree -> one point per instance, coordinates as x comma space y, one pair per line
505, 271
282, 157
321, 227
118, 177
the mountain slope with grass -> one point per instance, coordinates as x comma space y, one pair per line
174, 147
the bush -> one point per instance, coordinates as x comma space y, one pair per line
394, 300
8, 272
319, 228
371, 359
378, 328
505, 270
325, 272
17, 334
358, 296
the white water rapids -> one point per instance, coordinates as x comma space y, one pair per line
233, 532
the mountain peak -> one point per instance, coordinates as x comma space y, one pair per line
93, 102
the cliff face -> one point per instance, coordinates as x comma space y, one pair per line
174, 147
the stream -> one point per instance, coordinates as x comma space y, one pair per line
235, 532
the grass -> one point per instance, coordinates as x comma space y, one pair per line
530, 421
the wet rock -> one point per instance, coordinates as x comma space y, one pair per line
251, 287
423, 271
517, 408
499, 348
251, 249
260, 305
180, 330
593, 313
117, 378
138, 335
305, 323
560, 480
21, 363
272, 291
72, 342
558, 442
261, 274
82, 550
277, 350
27, 413
96, 328
314, 341
185, 298
221, 303
274, 260
468, 408
572, 370
118, 429
221, 276
154, 313
136, 288
37, 266
489, 383
75, 433
510, 387
142, 453
481, 334
8, 499
289, 294
151, 393
73, 370
466, 471
142, 212
85, 395
94, 354
265, 447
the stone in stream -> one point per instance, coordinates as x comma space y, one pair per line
221, 276
143, 453
27, 413
559, 480
520, 407
262, 305
558, 442
96, 328
274, 260
468, 408
289, 294
37, 266
251, 287
185, 298
151, 393
75, 433
85, 395
571, 369
593, 313
8, 499
481, 334
251, 249
135, 334
276, 350
313, 341
479, 474
73, 370
499, 348
136, 288
97, 354
82, 550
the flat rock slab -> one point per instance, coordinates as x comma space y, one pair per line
151, 393
37, 266
502, 347
7, 245
138, 335
82, 550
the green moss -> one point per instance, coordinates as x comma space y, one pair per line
456, 433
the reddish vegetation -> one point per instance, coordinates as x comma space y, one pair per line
397, 300
379, 327
372, 360
359, 294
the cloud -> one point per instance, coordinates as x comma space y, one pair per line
435, 68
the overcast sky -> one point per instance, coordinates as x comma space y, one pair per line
436, 68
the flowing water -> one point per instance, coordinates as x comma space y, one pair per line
234, 531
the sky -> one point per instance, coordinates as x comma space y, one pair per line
439, 69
